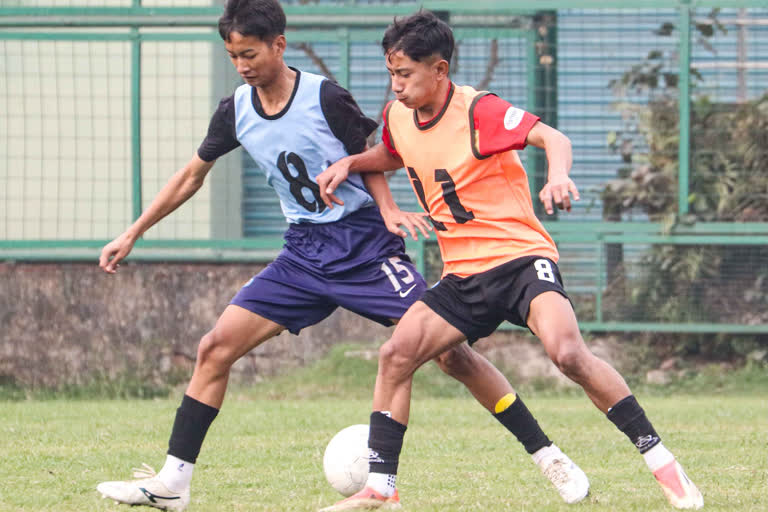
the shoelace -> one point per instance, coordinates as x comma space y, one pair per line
145, 471
556, 472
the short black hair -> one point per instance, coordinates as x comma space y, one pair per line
419, 36
264, 19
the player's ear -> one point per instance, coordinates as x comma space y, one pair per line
442, 68
279, 43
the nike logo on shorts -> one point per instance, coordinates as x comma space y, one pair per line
404, 293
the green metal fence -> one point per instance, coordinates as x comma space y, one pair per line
102, 101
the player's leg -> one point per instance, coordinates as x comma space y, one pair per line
387, 288
481, 378
476, 305
384, 291
236, 332
489, 386
419, 336
282, 296
552, 319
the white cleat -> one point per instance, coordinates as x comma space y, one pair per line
146, 490
677, 487
568, 478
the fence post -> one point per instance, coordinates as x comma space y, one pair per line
136, 122
344, 44
600, 264
532, 163
545, 93
684, 84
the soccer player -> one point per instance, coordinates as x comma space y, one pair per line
294, 124
459, 148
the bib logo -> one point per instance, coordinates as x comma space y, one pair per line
513, 118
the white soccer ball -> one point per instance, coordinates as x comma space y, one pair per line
345, 461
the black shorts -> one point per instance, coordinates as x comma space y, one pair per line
477, 304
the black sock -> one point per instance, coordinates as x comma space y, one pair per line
385, 441
192, 421
630, 418
519, 420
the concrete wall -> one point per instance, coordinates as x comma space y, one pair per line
63, 324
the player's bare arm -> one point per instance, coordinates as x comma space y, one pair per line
376, 159
559, 187
393, 216
182, 185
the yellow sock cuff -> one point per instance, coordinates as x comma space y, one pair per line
504, 403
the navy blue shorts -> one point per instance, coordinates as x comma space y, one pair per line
355, 263
477, 304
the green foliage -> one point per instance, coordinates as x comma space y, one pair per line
729, 148
659, 69
679, 283
727, 183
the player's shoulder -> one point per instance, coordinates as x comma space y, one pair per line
485, 101
468, 95
466, 91
332, 94
332, 86
308, 81
226, 108
242, 89
243, 95
227, 102
487, 107
480, 104
389, 106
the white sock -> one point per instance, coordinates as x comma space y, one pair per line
657, 457
176, 474
382, 483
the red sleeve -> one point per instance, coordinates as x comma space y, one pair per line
499, 126
385, 137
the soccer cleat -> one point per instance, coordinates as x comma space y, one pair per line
146, 490
677, 487
367, 499
568, 478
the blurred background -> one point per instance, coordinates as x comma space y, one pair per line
101, 101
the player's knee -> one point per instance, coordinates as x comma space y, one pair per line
572, 358
395, 359
214, 351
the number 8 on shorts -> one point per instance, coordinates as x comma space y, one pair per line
544, 270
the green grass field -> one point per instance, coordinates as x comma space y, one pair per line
264, 452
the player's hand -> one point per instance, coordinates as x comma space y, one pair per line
411, 221
114, 252
558, 190
329, 180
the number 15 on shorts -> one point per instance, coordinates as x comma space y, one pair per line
398, 274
